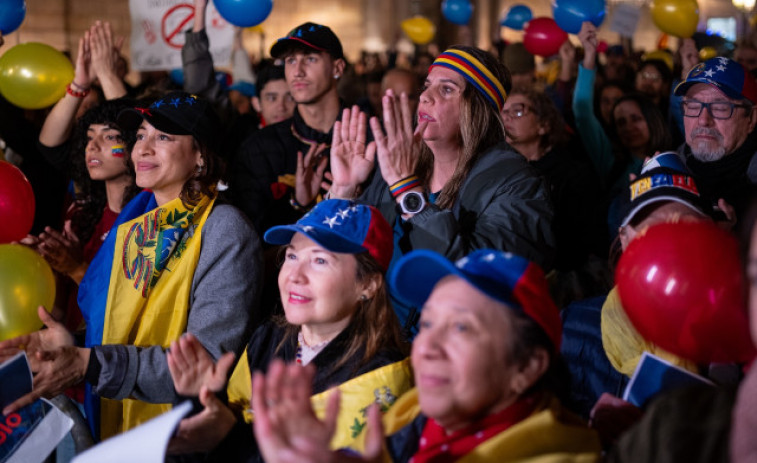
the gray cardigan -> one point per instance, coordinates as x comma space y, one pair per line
224, 297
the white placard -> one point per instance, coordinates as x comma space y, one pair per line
625, 18
157, 34
146, 443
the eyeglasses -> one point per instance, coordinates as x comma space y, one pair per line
717, 109
516, 111
650, 76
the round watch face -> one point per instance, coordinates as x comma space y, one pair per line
412, 202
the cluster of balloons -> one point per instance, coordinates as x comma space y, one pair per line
244, 13
457, 11
681, 286
34, 75
419, 29
516, 17
12, 14
676, 17
26, 280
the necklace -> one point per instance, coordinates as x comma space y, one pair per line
305, 352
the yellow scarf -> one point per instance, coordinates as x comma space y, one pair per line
550, 434
144, 307
382, 385
624, 345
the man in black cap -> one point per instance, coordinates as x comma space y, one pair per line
263, 178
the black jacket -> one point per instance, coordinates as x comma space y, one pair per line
503, 204
263, 157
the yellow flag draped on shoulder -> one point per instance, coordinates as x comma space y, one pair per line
382, 385
148, 298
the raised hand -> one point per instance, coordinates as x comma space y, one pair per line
588, 38
55, 336
83, 72
192, 367
309, 174
397, 150
204, 431
351, 158
63, 251
285, 426
689, 56
105, 53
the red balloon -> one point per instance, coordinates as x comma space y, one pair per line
602, 46
681, 285
16, 204
543, 37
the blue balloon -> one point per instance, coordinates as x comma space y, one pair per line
569, 14
457, 11
244, 13
517, 16
12, 13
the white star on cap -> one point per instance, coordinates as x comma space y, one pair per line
723, 60
709, 72
343, 213
489, 257
307, 228
331, 221
720, 67
461, 263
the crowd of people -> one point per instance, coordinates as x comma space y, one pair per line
377, 261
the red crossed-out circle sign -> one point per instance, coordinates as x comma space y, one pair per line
174, 22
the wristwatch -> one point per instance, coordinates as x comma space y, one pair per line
412, 203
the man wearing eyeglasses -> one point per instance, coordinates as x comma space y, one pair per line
719, 116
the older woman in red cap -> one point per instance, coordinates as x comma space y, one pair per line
484, 363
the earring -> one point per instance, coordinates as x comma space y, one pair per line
363, 297
336, 76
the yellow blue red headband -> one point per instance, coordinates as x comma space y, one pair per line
474, 72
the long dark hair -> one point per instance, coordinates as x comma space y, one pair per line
91, 197
480, 128
659, 135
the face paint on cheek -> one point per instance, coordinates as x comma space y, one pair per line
118, 151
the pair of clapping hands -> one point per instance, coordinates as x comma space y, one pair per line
285, 425
396, 147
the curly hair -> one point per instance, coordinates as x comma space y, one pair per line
481, 127
91, 197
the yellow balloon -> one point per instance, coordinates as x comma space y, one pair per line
419, 29
26, 282
676, 17
661, 55
707, 52
255, 29
34, 75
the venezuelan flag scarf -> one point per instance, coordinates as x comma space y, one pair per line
149, 258
382, 385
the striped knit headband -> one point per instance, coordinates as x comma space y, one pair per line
474, 72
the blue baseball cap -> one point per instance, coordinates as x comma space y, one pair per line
311, 35
663, 178
726, 75
244, 87
342, 226
507, 278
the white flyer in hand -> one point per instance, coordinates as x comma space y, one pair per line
144, 444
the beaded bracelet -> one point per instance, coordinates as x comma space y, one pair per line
299, 207
76, 93
404, 185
